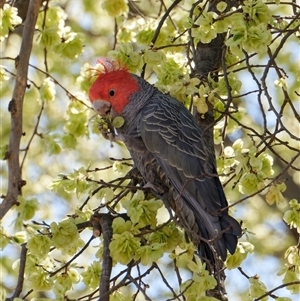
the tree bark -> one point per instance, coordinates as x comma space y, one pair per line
15, 108
208, 59
2, 2
102, 223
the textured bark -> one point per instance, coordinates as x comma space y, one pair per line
106, 222
102, 223
21, 273
208, 59
15, 108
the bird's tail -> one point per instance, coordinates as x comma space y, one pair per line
232, 230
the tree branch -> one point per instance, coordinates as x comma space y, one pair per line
2, 2
160, 24
21, 272
15, 108
72, 259
208, 58
102, 224
106, 222
277, 288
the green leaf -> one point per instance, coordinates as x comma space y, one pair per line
115, 7
149, 253
39, 245
257, 288
26, 208
51, 144
91, 275
243, 249
47, 90
123, 247
221, 6
3, 151
69, 141
9, 20
292, 217
118, 122
291, 276
65, 237
49, 37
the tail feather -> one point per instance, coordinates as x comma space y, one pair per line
223, 231
220, 242
232, 231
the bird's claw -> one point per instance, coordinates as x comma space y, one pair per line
155, 188
109, 136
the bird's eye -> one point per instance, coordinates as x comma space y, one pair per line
111, 92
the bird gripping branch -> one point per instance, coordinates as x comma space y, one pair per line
167, 147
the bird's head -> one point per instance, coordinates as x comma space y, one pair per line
111, 91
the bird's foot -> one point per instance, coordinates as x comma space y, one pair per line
158, 190
107, 131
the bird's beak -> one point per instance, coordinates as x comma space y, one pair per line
102, 107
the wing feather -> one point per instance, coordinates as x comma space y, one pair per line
170, 133
175, 140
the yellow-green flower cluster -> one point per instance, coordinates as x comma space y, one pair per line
47, 90
251, 172
249, 29
39, 245
65, 237
123, 247
54, 35
9, 19
125, 54
37, 275
292, 216
64, 282
128, 242
26, 210
142, 212
92, 274
257, 288
195, 288
115, 7
3, 74
243, 249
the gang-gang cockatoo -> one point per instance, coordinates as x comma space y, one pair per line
167, 147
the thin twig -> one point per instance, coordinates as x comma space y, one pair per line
159, 26
277, 288
21, 273
34, 133
72, 259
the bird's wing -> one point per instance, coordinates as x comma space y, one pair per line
175, 140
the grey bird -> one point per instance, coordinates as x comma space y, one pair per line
167, 147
